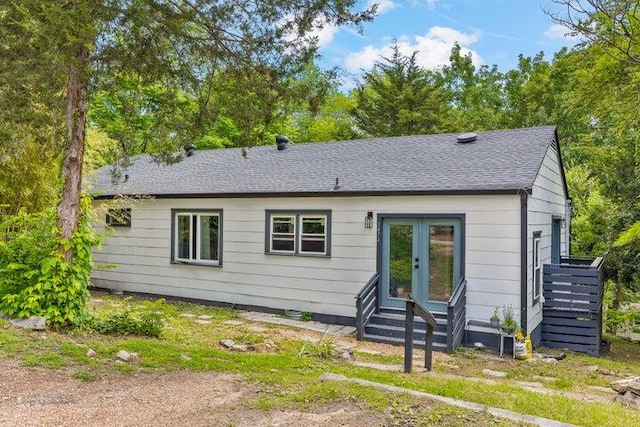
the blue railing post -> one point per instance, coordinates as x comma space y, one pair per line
408, 336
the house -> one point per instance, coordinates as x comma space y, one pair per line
347, 230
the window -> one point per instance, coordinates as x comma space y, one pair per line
298, 233
537, 266
197, 237
119, 217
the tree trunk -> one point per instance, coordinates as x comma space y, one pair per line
76, 115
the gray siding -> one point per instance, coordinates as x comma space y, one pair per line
326, 285
548, 200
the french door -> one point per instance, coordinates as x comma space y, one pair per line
421, 257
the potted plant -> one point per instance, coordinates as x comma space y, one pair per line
495, 319
509, 324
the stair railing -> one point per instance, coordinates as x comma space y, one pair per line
456, 316
412, 308
366, 302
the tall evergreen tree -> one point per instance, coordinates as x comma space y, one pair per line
398, 97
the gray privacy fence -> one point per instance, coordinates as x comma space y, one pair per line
572, 311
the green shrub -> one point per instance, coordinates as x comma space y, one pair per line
36, 278
144, 320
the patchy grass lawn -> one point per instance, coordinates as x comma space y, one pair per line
286, 376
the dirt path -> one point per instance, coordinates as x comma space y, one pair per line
44, 397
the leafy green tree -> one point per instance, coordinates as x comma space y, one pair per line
70, 50
323, 116
398, 97
474, 95
612, 24
606, 84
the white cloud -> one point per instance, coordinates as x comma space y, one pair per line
558, 31
434, 49
325, 34
384, 6
431, 4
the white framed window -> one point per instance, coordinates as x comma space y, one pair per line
197, 237
298, 232
313, 234
283, 233
537, 266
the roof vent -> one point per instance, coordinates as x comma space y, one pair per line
281, 142
190, 149
467, 137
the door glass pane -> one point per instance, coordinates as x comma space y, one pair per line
440, 262
400, 260
209, 237
184, 236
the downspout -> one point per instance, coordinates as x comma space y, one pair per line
523, 262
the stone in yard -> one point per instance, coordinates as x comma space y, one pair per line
607, 372
259, 347
205, 317
185, 357
123, 355
592, 368
491, 373
233, 322
227, 343
478, 345
239, 347
550, 360
189, 315
347, 355
91, 353
629, 398
631, 384
202, 322
532, 360
37, 323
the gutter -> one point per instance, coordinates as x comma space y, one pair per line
97, 196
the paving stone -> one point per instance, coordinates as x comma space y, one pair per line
233, 322
202, 322
491, 373
205, 317
188, 315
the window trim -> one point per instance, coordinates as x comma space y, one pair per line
118, 217
536, 264
194, 243
298, 215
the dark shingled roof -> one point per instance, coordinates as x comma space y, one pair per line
498, 161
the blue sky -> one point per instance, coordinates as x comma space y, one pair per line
493, 31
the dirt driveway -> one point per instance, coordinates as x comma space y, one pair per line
45, 397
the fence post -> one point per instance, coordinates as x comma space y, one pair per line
408, 336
